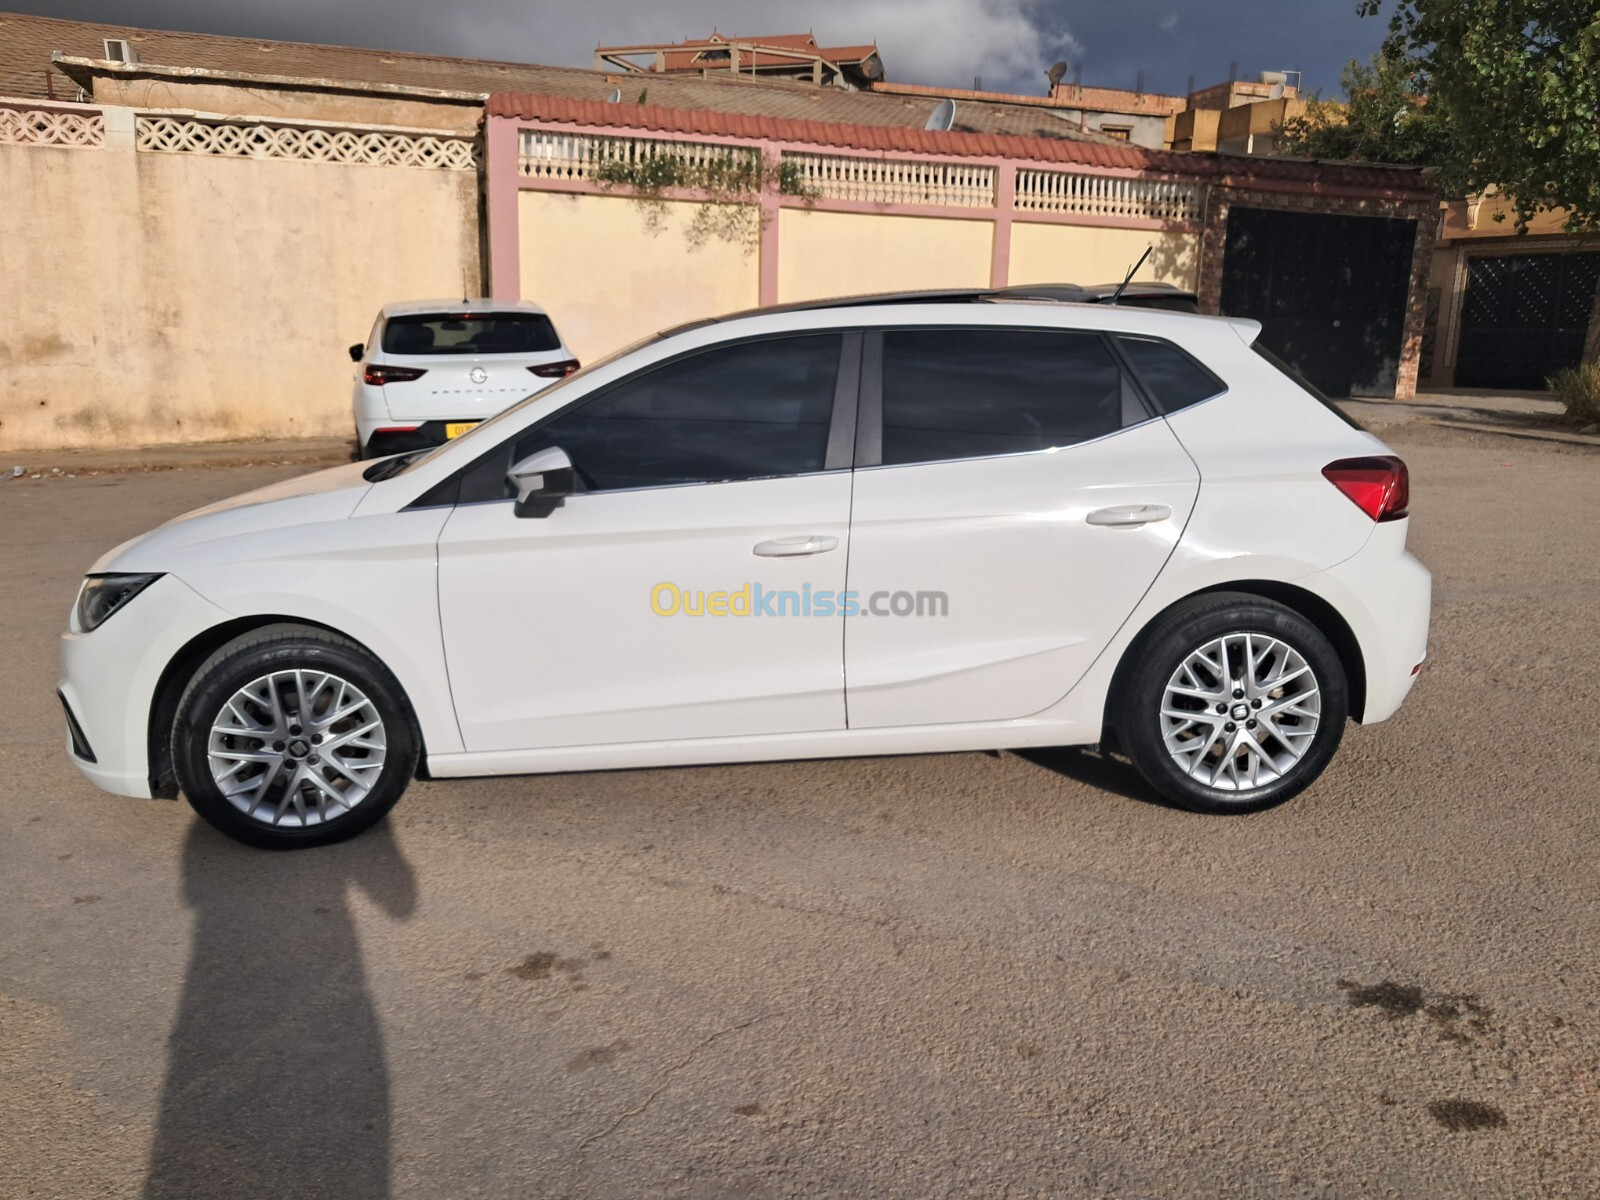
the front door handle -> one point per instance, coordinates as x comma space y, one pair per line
1124, 516
795, 547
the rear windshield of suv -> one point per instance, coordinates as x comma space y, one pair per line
470, 333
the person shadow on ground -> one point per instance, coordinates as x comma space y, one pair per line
276, 1080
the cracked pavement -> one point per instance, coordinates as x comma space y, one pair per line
943, 975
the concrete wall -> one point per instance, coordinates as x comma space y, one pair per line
1086, 254
609, 277
823, 254
287, 103
155, 297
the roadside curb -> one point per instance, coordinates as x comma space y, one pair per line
176, 457
1538, 435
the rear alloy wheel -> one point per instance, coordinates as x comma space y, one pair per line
293, 737
1235, 704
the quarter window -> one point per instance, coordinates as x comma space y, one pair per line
968, 393
748, 411
1171, 377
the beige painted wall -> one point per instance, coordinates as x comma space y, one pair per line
1085, 254
822, 254
175, 297
607, 278
287, 103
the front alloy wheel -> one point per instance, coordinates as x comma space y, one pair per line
292, 736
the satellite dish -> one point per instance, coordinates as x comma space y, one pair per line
1276, 92
872, 68
1057, 73
615, 97
942, 117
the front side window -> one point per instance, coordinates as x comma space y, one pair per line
747, 411
470, 333
970, 393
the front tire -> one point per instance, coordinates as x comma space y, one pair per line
1233, 704
291, 736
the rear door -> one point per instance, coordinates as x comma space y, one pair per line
1013, 502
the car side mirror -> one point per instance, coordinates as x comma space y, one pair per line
357, 351
543, 481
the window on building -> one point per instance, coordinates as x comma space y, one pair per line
1122, 133
120, 50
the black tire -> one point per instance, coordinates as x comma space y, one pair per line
254, 657
1154, 661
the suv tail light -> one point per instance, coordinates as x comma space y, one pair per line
555, 370
1379, 486
378, 374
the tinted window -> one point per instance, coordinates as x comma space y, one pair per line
1173, 379
965, 393
475, 333
748, 411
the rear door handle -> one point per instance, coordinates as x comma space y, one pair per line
1126, 515
797, 546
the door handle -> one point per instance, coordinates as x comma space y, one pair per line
795, 547
1124, 516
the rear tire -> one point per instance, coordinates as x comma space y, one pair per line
1231, 703
291, 736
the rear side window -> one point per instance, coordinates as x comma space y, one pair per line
1172, 379
971, 393
470, 333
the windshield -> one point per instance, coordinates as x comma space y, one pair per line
401, 463
470, 333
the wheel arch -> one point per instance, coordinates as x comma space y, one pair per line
175, 677
1308, 604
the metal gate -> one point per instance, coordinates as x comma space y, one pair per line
1524, 317
1330, 293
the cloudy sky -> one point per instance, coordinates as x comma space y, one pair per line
1009, 43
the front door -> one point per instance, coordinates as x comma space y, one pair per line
1024, 503
668, 599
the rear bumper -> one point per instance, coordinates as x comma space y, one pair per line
1386, 597
381, 438
109, 679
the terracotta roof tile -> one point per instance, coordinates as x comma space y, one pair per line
708, 123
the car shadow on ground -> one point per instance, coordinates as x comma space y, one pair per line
277, 1083
1098, 769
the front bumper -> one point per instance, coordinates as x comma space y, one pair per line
109, 678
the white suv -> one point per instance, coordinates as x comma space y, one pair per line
874, 528
433, 369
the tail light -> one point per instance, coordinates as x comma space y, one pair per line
378, 374
555, 370
1379, 486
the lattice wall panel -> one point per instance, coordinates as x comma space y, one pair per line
1106, 196
579, 157
894, 181
42, 127
180, 135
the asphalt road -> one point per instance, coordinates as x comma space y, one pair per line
959, 975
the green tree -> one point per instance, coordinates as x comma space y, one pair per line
1514, 87
1386, 119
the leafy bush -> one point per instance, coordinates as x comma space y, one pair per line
1579, 389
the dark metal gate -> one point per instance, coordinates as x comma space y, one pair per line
1524, 317
1330, 293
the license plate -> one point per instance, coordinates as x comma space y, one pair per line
456, 428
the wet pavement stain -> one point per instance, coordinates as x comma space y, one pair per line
597, 1056
746, 1110
1396, 1000
1458, 1016
1466, 1116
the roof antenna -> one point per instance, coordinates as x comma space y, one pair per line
1132, 271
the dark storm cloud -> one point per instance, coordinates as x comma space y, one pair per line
1008, 42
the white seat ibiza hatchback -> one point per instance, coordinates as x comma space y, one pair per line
431, 370
861, 527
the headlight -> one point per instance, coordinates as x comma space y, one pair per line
102, 595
